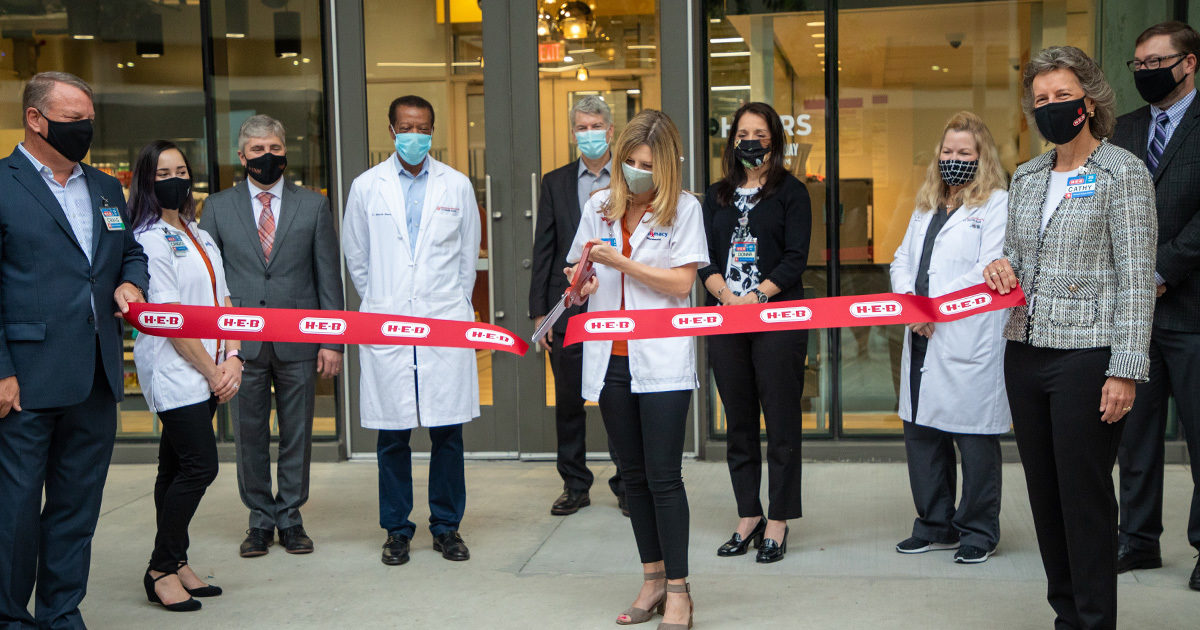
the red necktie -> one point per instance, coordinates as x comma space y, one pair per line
266, 224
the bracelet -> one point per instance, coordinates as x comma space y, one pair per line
718, 295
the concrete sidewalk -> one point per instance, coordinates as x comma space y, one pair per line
533, 570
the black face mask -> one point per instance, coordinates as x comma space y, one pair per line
751, 153
172, 192
1059, 123
1155, 85
71, 139
267, 168
958, 172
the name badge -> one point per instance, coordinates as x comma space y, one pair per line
175, 242
611, 240
1081, 186
447, 211
112, 218
745, 250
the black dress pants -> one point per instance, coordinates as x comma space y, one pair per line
187, 465
1068, 456
1174, 370
647, 431
570, 419
762, 371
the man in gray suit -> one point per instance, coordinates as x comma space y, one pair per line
280, 251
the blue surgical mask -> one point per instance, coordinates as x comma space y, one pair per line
413, 147
593, 143
637, 180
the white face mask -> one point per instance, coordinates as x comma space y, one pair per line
637, 180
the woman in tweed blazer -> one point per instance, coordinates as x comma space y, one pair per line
1081, 243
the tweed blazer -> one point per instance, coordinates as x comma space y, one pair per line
1090, 275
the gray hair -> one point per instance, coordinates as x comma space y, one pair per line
260, 126
590, 104
37, 91
1090, 76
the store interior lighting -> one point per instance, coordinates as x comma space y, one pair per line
149, 29
237, 18
287, 34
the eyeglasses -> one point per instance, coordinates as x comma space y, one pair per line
1150, 63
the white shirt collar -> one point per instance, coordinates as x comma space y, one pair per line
45, 170
255, 189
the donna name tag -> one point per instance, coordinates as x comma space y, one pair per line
1081, 186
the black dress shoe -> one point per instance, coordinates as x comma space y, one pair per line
772, 551
623, 505
187, 605
1130, 559
452, 546
208, 590
395, 550
257, 541
737, 546
1194, 581
295, 540
570, 501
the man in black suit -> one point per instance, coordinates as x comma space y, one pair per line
565, 192
1166, 134
68, 261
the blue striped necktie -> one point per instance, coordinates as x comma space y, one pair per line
1155, 151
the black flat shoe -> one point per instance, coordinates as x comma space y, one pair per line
452, 546
570, 501
256, 542
737, 546
1130, 559
395, 550
295, 540
208, 590
1194, 581
772, 551
185, 606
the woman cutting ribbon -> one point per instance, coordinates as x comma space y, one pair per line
647, 238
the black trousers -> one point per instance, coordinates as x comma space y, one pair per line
65, 452
1174, 370
570, 419
1068, 455
187, 465
647, 431
932, 474
762, 371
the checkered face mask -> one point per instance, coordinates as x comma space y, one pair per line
958, 172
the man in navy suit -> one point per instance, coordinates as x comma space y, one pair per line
68, 263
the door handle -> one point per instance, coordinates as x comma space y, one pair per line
491, 275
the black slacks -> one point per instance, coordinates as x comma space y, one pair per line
1174, 370
762, 371
648, 431
1068, 456
187, 465
570, 419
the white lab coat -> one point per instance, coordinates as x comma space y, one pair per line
655, 365
168, 381
436, 281
962, 382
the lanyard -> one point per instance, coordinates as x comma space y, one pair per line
212, 277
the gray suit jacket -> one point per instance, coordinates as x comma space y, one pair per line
304, 271
1177, 183
1090, 275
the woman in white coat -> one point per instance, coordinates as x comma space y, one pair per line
647, 238
957, 229
411, 238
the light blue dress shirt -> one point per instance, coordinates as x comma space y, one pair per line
590, 183
414, 199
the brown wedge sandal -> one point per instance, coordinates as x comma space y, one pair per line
634, 615
676, 588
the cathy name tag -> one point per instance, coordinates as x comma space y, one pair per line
175, 242
1081, 186
112, 218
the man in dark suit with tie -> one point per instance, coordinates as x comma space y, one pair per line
1166, 134
280, 251
564, 193
68, 262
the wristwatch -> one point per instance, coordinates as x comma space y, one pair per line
762, 297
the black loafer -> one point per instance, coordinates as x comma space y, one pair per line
570, 501
772, 551
295, 540
256, 543
452, 546
1194, 581
395, 550
623, 505
737, 546
1130, 559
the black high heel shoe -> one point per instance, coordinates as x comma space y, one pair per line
772, 551
736, 545
208, 590
185, 606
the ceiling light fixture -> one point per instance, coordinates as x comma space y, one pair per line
582, 74
287, 34
237, 19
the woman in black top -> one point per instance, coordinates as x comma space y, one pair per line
758, 220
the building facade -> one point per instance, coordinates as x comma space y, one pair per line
863, 87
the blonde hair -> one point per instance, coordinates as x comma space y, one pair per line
655, 130
989, 177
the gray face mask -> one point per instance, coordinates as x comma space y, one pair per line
637, 180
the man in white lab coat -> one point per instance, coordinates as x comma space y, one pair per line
411, 237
